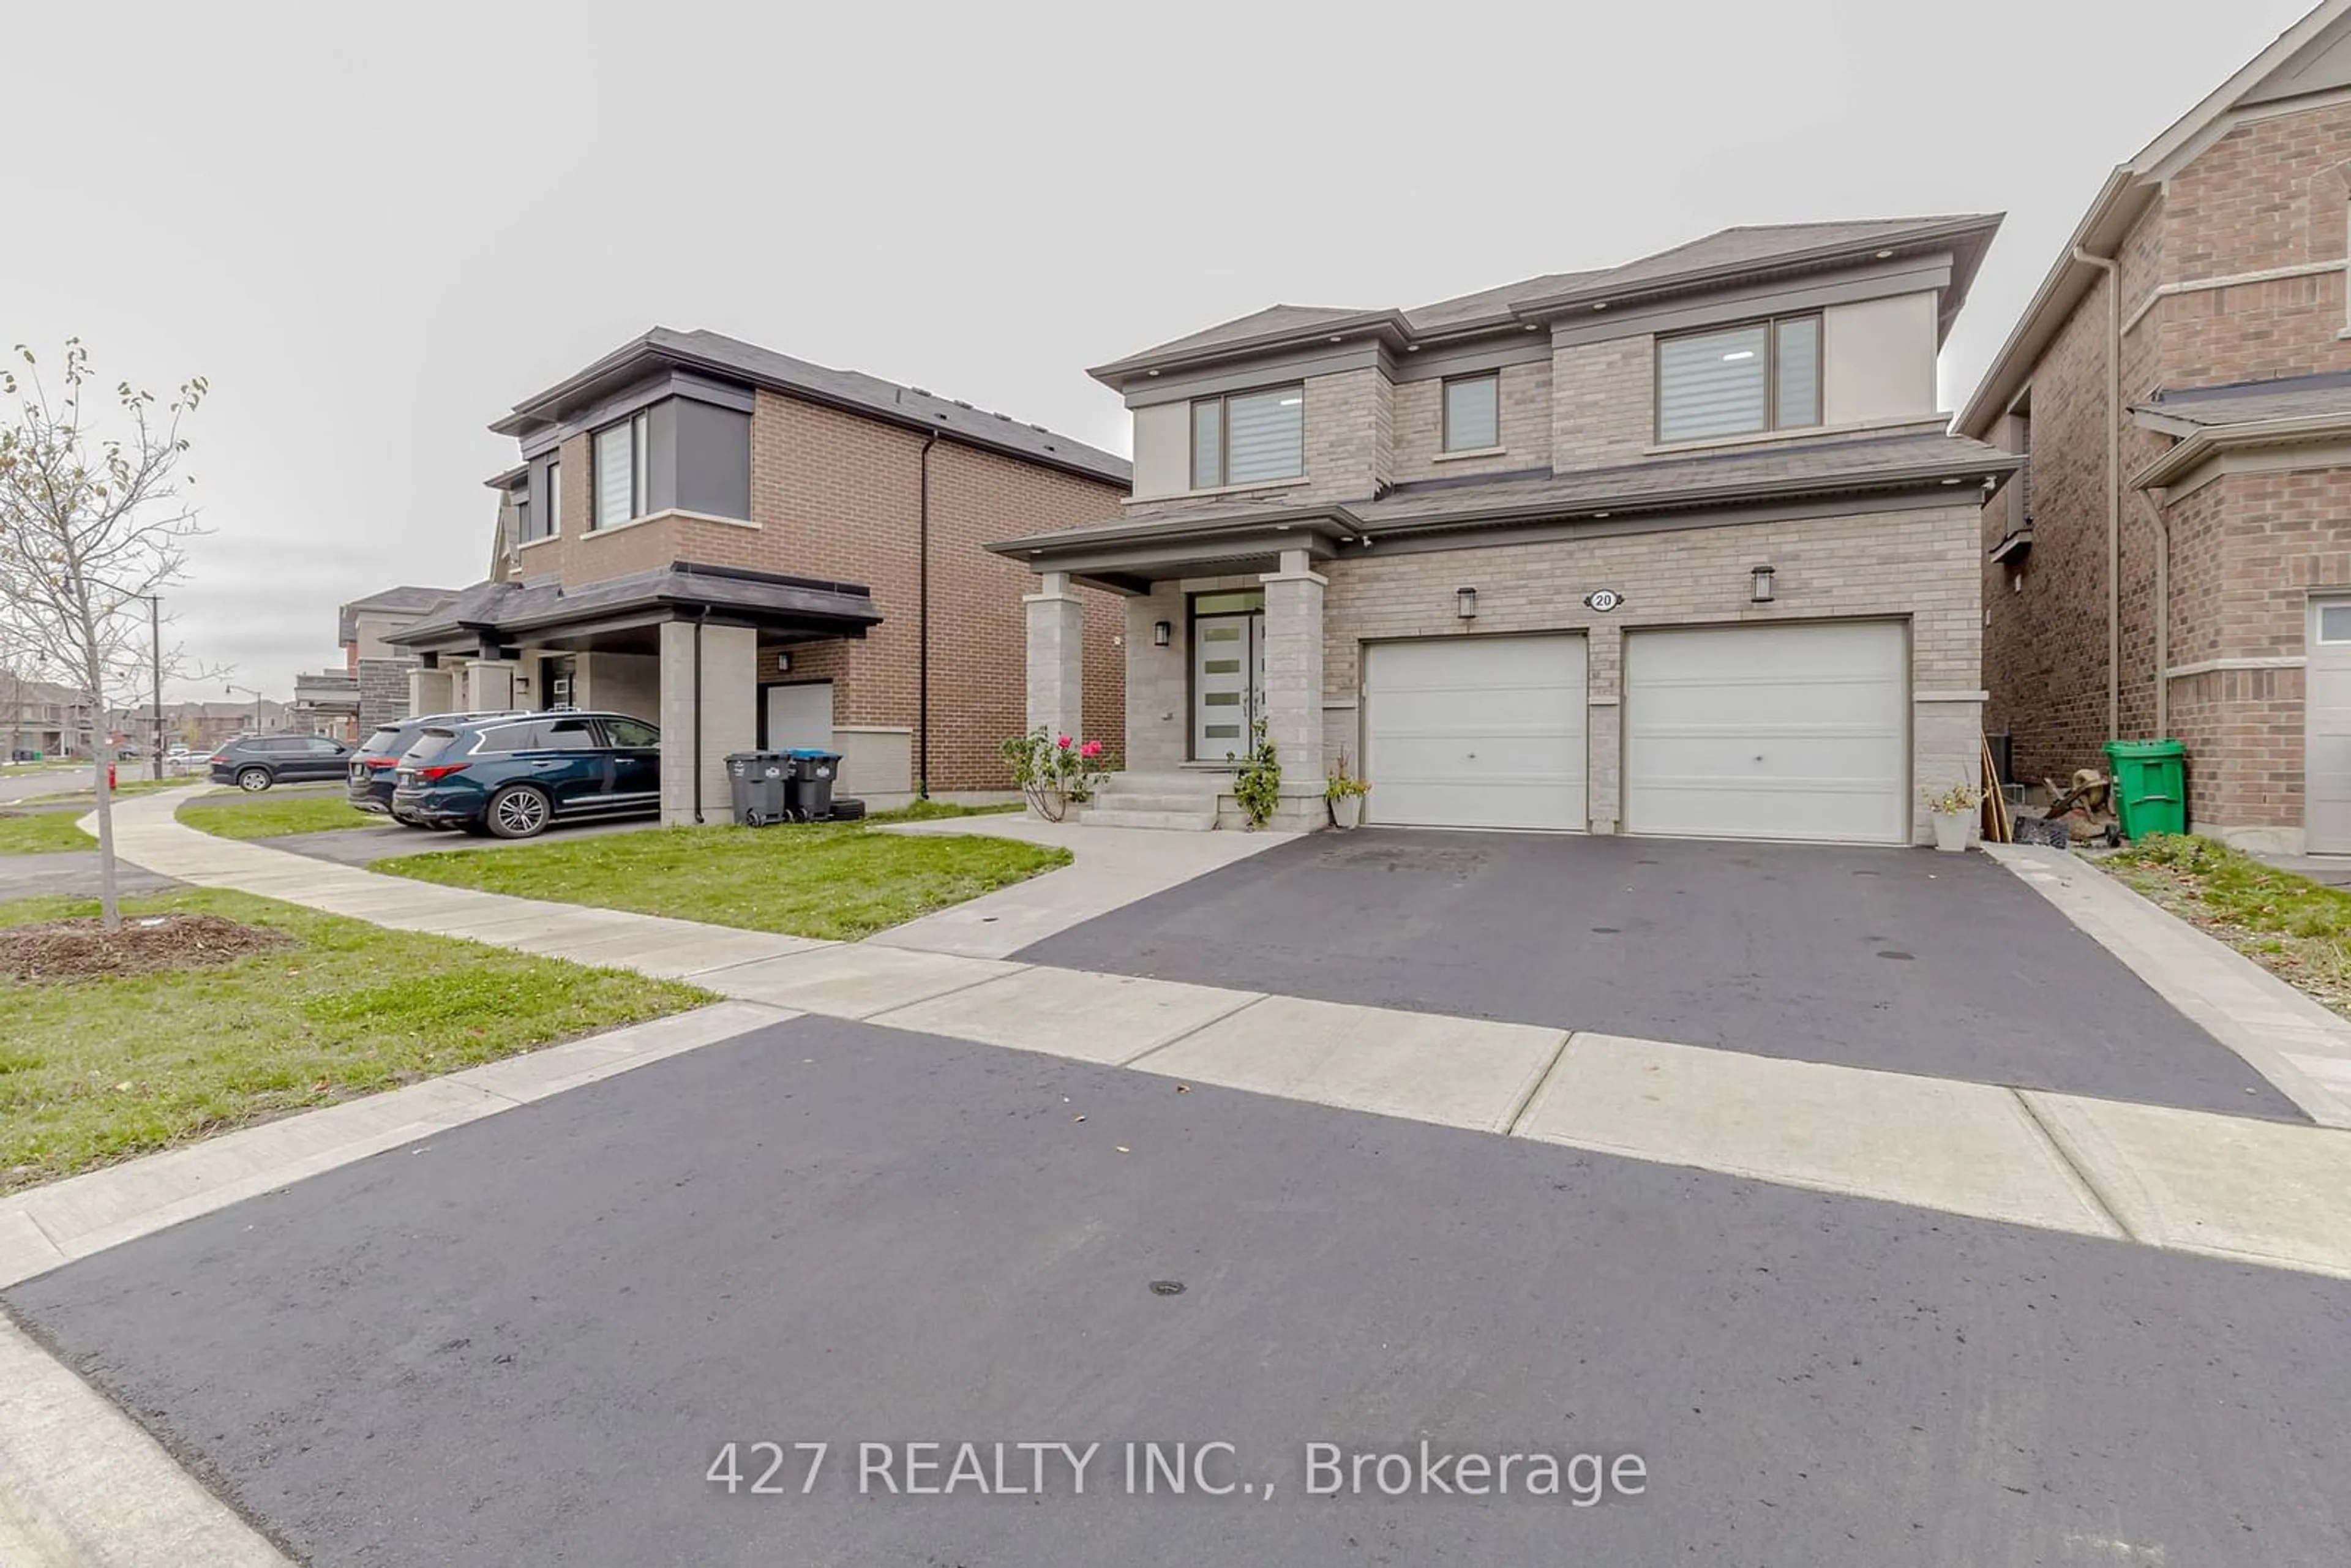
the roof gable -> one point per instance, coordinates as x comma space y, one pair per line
2312, 56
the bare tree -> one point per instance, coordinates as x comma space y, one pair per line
91, 523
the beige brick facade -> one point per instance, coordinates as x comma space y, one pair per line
2248, 549
1914, 566
1526, 424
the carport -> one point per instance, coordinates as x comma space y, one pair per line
685, 645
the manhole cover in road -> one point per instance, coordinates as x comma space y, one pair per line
1166, 1287
1608, 930
1895, 953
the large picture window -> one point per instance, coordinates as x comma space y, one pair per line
1247, 438
622, 454
1764, 375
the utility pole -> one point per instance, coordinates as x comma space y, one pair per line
155, 658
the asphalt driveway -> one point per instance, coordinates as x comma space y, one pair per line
1902, 960
527, 1340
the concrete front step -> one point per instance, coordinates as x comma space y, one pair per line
1198, 820
1153, 801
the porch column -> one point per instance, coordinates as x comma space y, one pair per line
485, 685
432, 690
1057, 656
727, 710
1293, 671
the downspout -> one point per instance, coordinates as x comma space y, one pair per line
2158, 507
922, 631
701, 619
2113, 488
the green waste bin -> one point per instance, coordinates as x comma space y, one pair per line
2151, 786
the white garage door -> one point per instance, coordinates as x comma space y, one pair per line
1769, 732
1475, 732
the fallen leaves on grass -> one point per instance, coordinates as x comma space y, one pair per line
84, 949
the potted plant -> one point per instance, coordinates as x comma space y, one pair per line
1954, 809
1345, 793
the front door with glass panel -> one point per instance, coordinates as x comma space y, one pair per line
1228, 673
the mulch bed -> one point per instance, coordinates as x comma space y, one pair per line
84, 949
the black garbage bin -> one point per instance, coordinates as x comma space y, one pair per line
813, 771
762, 782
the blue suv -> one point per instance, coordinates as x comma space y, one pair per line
511, 777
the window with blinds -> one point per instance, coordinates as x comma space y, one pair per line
621, 453
1248, 438
1473, 412
1736, 380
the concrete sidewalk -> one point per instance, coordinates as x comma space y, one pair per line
2231, 1187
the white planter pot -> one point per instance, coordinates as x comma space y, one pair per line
1346, 811
1952, 830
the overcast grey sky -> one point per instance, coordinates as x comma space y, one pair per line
377, 228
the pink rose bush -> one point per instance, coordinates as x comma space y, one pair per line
1055, 770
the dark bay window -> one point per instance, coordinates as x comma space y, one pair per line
1473, 412
1735, 380
1246, 438
538, 507
622, 456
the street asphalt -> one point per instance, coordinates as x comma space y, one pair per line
530, 1339
1901, 960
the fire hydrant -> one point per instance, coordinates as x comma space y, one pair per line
109, 778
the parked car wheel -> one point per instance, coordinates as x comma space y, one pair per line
518, 811
253, 780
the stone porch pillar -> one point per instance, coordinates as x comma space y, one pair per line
729, 713
1293, 675
487, 686
1057, 656
432, 690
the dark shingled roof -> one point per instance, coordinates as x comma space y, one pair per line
714, 352
1851, 465
1759, 247
406, 600
505, 608
2246, 403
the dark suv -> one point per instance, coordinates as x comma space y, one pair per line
255, 762
370, 782
511, 777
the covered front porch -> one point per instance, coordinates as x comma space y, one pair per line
1222, 633
722, 660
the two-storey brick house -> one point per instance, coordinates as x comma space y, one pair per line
1680, 547
2176, 561
754, 550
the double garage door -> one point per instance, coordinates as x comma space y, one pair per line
1753, 732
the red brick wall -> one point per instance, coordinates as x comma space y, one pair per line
837, 495
2246, 549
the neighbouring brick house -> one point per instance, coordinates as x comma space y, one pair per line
2177, 560
1679, 547
753, 550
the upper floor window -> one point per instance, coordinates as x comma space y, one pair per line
1248, 437
622, 454
553, 523
1764, 375
1473, 412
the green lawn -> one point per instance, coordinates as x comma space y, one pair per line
260, 817
96, 1071
835, 881
2297, 929
42, 833
126, 785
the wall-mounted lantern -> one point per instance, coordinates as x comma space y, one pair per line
1465, 603
1761, 592
1161, 633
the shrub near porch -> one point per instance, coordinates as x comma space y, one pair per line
835, 881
